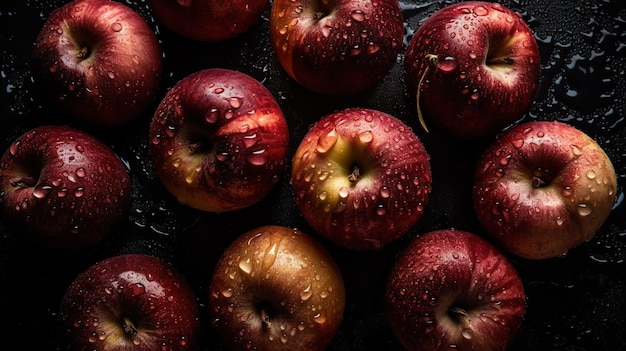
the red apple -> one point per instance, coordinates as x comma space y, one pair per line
451, 289
475, 68
275, 289
209, 20
543, 188
219, 140
63, 187
99, 61
361, 178
131, 302
337, 47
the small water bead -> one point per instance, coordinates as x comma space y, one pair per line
357, 15
116, 26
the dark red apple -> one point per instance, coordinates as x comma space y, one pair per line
276, 289
337, 47
474, 67
209, 20
131, 302
63, 187
361, 178
98, 61
451, 289
543, 188
219, 140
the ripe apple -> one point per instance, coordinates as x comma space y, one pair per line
130, 302
542, 188
63, 187
208, 20
451, 289
475, 68
98, 61
337, 47
219, 140
361, 178
276, 288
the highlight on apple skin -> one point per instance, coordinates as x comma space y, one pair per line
452, 289
543, 188
276, 289
361, 178
98, 61
132, 302
339, 47
219, 140
474, 68
63, 188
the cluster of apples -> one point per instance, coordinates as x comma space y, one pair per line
361, 178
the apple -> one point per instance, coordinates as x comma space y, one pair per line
337, 47
219, 140
63, 188
98, 61
130, 302
451, 289
276, 288
209, 20
543, 188
361, 178
475, 68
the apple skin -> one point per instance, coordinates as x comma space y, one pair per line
338, 47
209, 20
361, 178
276, 288
542, 188
63, 187
219, 140
98, 61
130, 302
486, 73
451, 289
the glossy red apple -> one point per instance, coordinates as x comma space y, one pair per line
337, 47
474, 67
543, 188
132, 302
451, 289
361, 178
98, 61
209, 20
219, 140
275, 289
63, 187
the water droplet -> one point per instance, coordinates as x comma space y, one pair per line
79, 192
235, 102
245, 265
306, 293
467, 333
366, 137
357, 15
481, 11
41, 191
212, 115
448, 64
116, 26
584, 209
257, 158
326, 142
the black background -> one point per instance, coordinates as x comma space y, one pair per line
575, 302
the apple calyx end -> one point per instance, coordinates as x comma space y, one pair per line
355, 176
537, 182
265, 319
129, 327
432, 64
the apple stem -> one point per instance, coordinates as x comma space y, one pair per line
129, 327
355, 176
460, 314
432, 63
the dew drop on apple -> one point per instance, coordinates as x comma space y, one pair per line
245, 265
257, 158
584, 209
116, 26
79, 192
448, 64
306, 293
42, 191
326, 142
